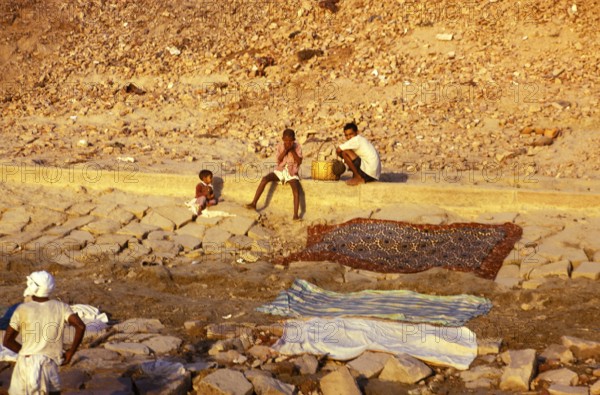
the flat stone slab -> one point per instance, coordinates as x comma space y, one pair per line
238, 225
102, 226
104, 210
339, 382
42, 242
556, 269
92, 251
163, 378
139, 210
72, 379
559, 389
158, 220
193, 229
558, 352
589, 270
133, 252
162, 246
239, 242
582, 349
140, 325
187, 242
176, 214
137, 229
82, 208
482, 376
264, 385
128, 348
488, 346
160, 235
258, 232
225, 382
535, 232
120, 240
76, 240
70, 225
508, 276
163, 344
404, 368
263, 246
497, 218
369, 364
214, 240
533, 284
16, 215
530, 263
559, 376
519, 372
93, 358
306, 364
107, 383
208, 221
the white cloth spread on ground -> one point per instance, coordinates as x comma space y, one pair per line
207, 213
369, 158
345, 339
34, 375
92, 318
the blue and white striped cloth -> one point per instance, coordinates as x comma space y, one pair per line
304, 299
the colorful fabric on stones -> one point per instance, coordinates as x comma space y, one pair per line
400, 247
304, 299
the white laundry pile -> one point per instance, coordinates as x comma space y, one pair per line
207, 212
347, 338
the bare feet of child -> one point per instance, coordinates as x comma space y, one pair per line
355, 181
296, 218
250, 206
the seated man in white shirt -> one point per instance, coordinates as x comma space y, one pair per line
360, 156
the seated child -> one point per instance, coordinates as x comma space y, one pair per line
289, 159
205, 195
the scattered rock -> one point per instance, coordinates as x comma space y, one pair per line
339, 382
519, 372
405, 369
582, 349
223, 381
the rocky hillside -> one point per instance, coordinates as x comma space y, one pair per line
435, 85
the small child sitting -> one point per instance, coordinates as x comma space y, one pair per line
289, 159
205, 195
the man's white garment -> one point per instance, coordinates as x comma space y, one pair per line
41, 325
369, 158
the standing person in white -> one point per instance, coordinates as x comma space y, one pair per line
360, 156
41, 323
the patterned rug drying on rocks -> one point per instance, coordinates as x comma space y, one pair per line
400, 247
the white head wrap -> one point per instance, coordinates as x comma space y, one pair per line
40, 284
